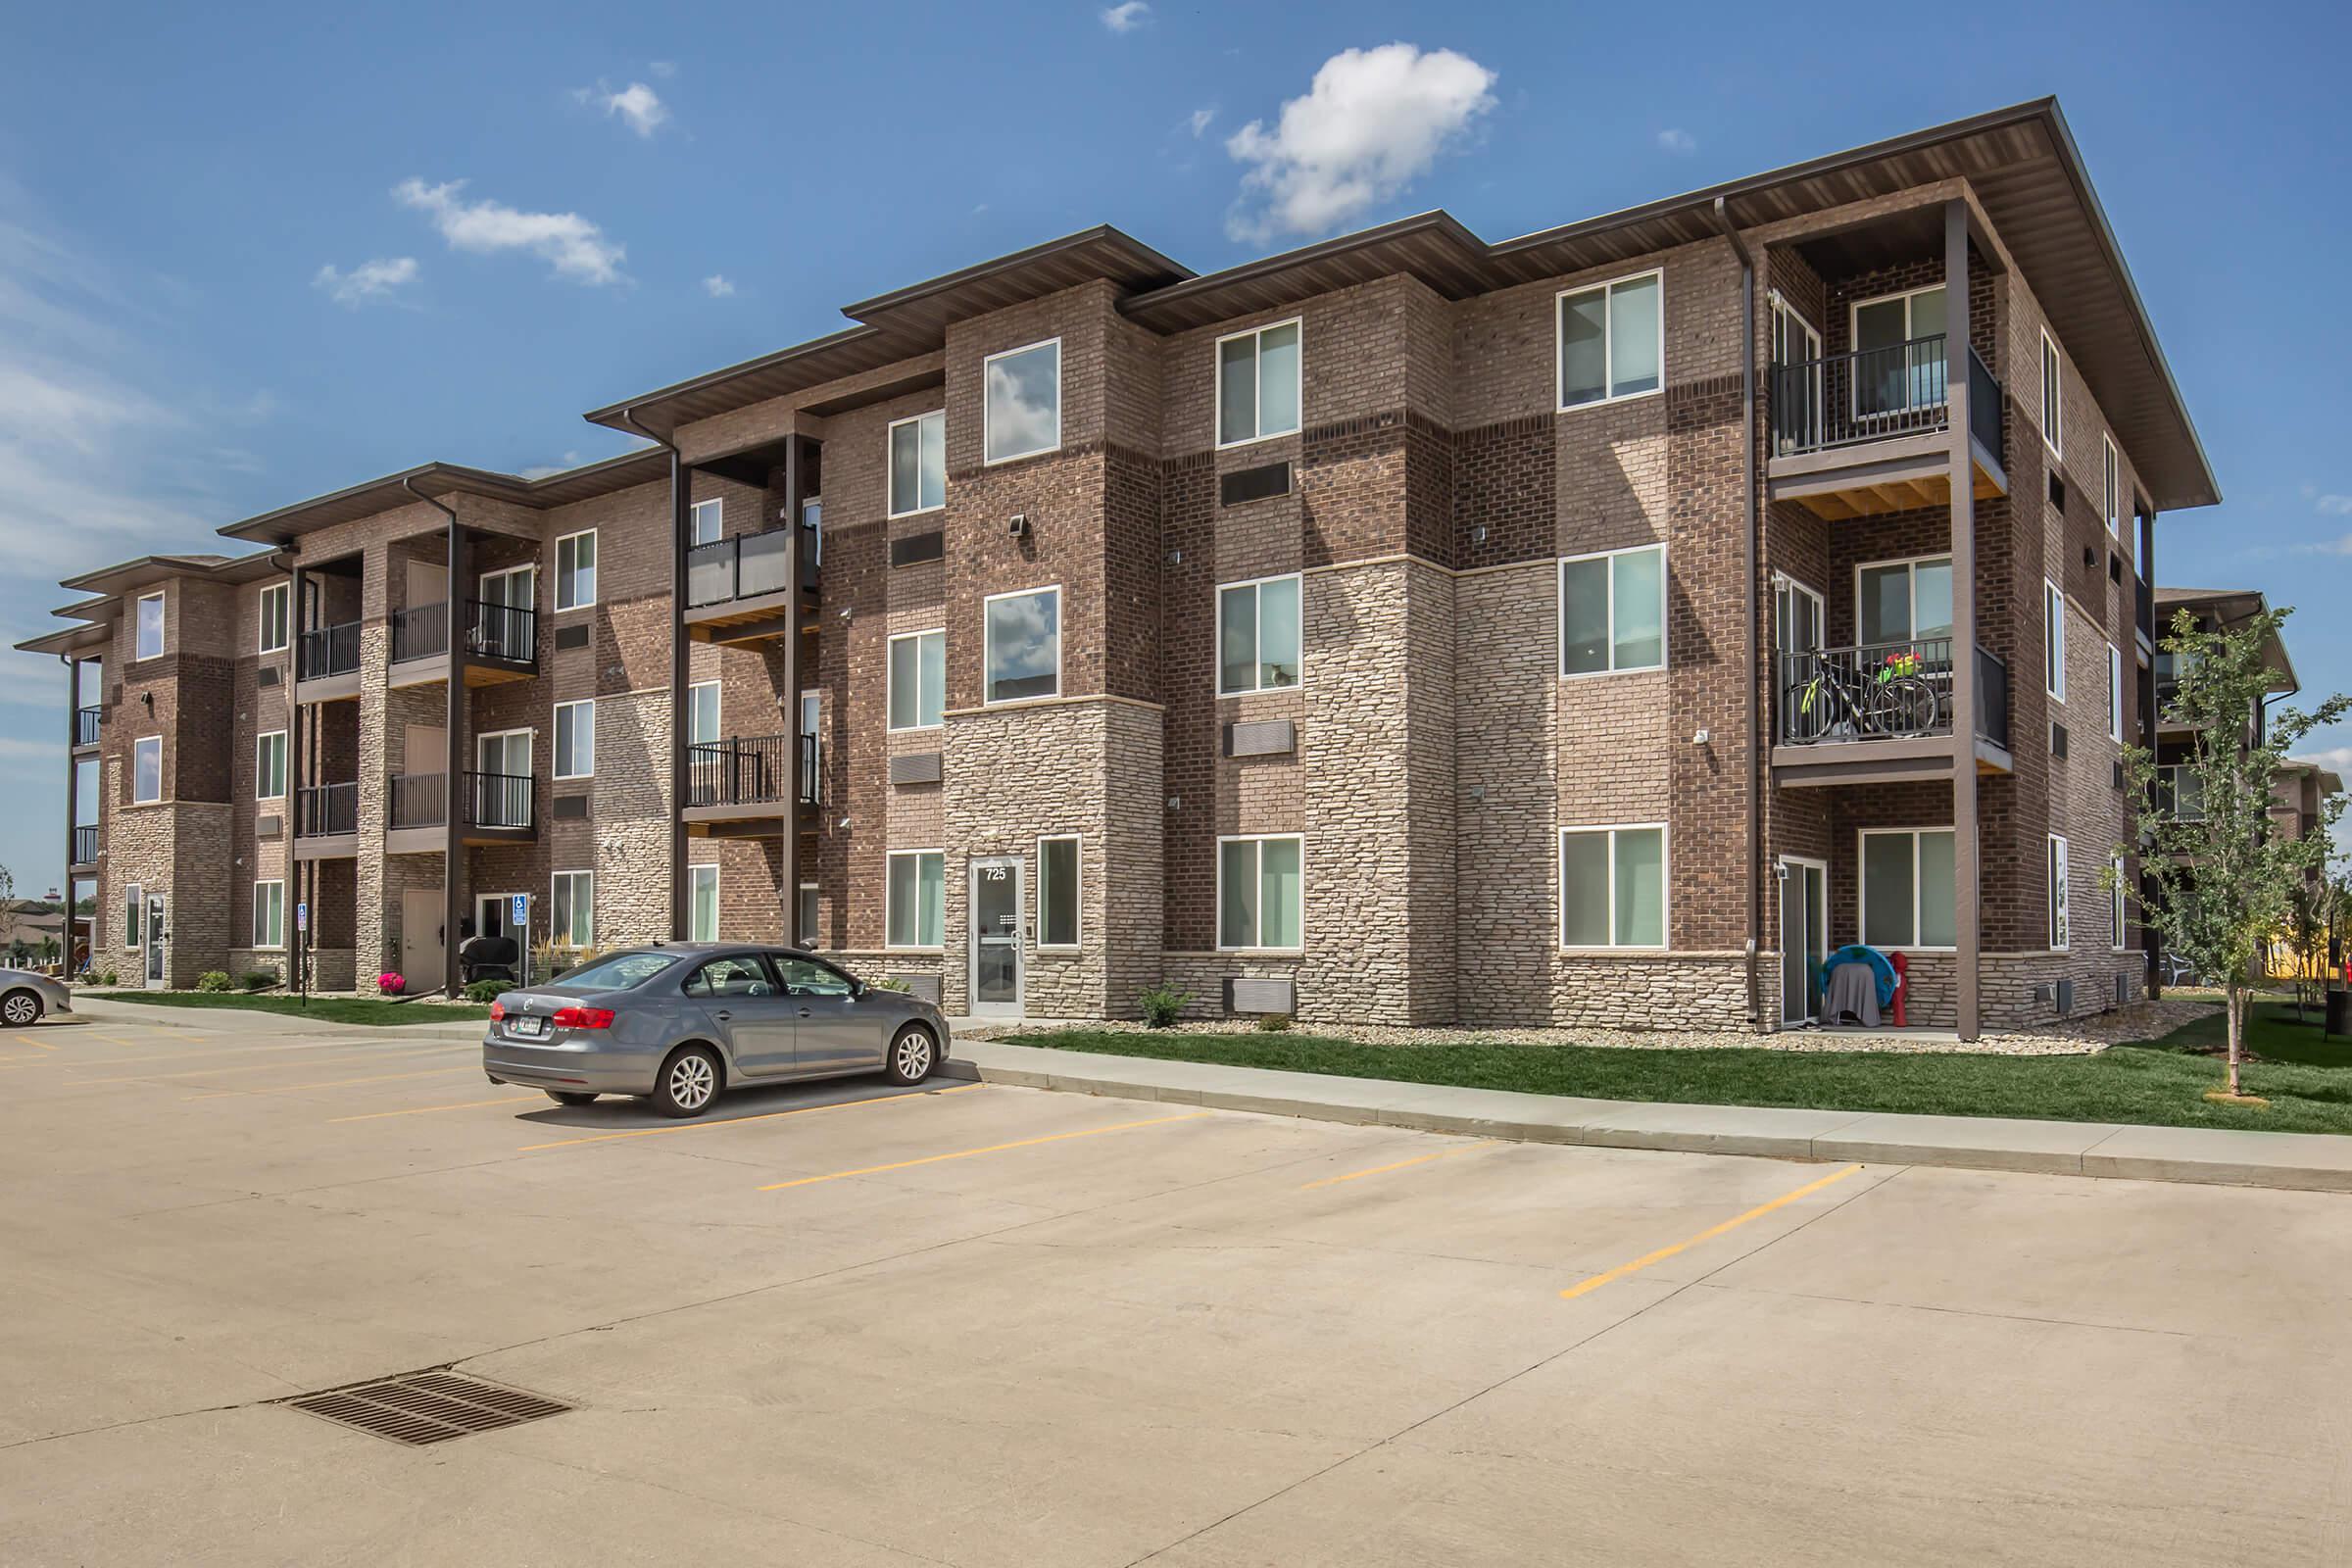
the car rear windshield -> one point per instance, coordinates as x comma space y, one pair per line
621, 972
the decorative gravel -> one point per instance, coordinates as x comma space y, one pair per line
2145, 1020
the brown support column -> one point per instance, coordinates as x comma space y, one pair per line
73, 820
788, 864
681, 514
297, 941
1967, 937
453, 848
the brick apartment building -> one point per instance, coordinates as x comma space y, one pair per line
1595, 626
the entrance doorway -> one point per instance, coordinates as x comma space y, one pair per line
997, 969
421, 937
156, 938
1804, 937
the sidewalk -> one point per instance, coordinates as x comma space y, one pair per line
2311, 1162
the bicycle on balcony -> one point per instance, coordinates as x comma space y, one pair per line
1890, 698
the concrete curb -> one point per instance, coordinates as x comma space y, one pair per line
2301, 1162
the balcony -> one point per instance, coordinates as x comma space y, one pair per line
737, 786
735, 588
499, 643
85, 846
1881, 711
1861, 433
494, 809
326, 821
326, 664
85, 726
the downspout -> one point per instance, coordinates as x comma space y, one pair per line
1755, 694
678, 651
72, 822
453, 777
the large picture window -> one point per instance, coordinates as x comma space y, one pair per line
1021, 404
1613, 612
1057, 892
571, 909
1908, 895
1021, 635
915, 898
1612, 341
918, 464
1258, 636
1613, 887
919, 679
1257, 384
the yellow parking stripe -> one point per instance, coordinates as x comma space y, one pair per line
1708, 1235
336, 1083
37, 1045
738, 1121
992, 1148
426, 1110
294, 1060
1382, 1170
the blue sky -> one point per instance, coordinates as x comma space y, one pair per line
237, 269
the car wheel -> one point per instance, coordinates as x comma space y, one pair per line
913, 1056
689, 1082
567, 1097
18, 1009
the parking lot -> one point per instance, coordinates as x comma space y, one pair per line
974, 1324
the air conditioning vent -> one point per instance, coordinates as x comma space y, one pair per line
1254, 484
914, 767
2057, 489
2057, 740
1262, 737
568, 808
269, 675
1246, 993
913, 549
571, 636
2066, 999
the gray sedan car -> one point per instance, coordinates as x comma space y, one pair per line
25, 996
683, 1022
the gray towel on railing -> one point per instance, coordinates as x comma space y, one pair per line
1852, 989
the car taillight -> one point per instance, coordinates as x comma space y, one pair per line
498, 1010
584, 1018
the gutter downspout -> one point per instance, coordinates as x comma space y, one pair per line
1755, 695
453, 777
678, 652
72, 822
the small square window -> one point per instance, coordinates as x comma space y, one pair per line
575, 570
1613, 887
1021, 404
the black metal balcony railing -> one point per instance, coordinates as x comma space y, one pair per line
749, 771
421, 631
501, 631
85, 725
496, 800
420, 800
2179, 794
328, 651
323, 810
1885, 691
1875, 394
86, 845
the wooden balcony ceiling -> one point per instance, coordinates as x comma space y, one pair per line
1869, 493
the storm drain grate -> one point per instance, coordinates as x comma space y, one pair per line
418, 1408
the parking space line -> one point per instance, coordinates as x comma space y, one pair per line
737, 1121
1709, 1234
337, 1083
251, 1066
37, 1045
1382, 1170
992, 1148
426, 1110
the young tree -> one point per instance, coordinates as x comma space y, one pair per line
2217, 882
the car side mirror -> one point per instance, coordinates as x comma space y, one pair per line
856, 987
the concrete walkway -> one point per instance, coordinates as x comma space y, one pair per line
2311, 1162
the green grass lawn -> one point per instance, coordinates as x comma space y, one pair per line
2159, 1083
325, 1009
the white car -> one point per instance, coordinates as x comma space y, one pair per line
25, 996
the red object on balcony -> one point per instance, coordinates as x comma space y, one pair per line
1902, 984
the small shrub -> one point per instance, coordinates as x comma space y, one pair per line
391, 984
889, 982
106, 978
1161, 1006
488, 990
257, 979
1273, 1023
212, 980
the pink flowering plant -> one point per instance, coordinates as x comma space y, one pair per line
391, 983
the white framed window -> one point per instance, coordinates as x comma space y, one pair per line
702, 904
270, 915
276, 633
706, 522
1022, 401
1021, 645
2111, 480
2057, 894
1900, 357
919, 679
575, 570
1908, 895
510, 587
2115, 694
146, 770
576, 739
149, 632
2053, 640
1798, 615
2053, 397
805, 932
918, 464
1610, 340
1903, 601
1259, 635
270, 764
1261, 894
2119, 906
1058, 873
915, 900
701, 712
1259, 384
2181, 793
1613, 612
1613, 885
135, 916
571, 909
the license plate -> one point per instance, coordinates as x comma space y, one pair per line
527, 1025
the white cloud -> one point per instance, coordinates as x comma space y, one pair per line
718, 285
664, 69
1675, 139
2333, 506
370, 282
1125, 16
540, 471
1372, 123
2334, 758
575, 247
1197, 120
2341, 545
637, 105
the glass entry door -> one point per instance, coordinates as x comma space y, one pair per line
1804, 938
997, 904
155, 942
